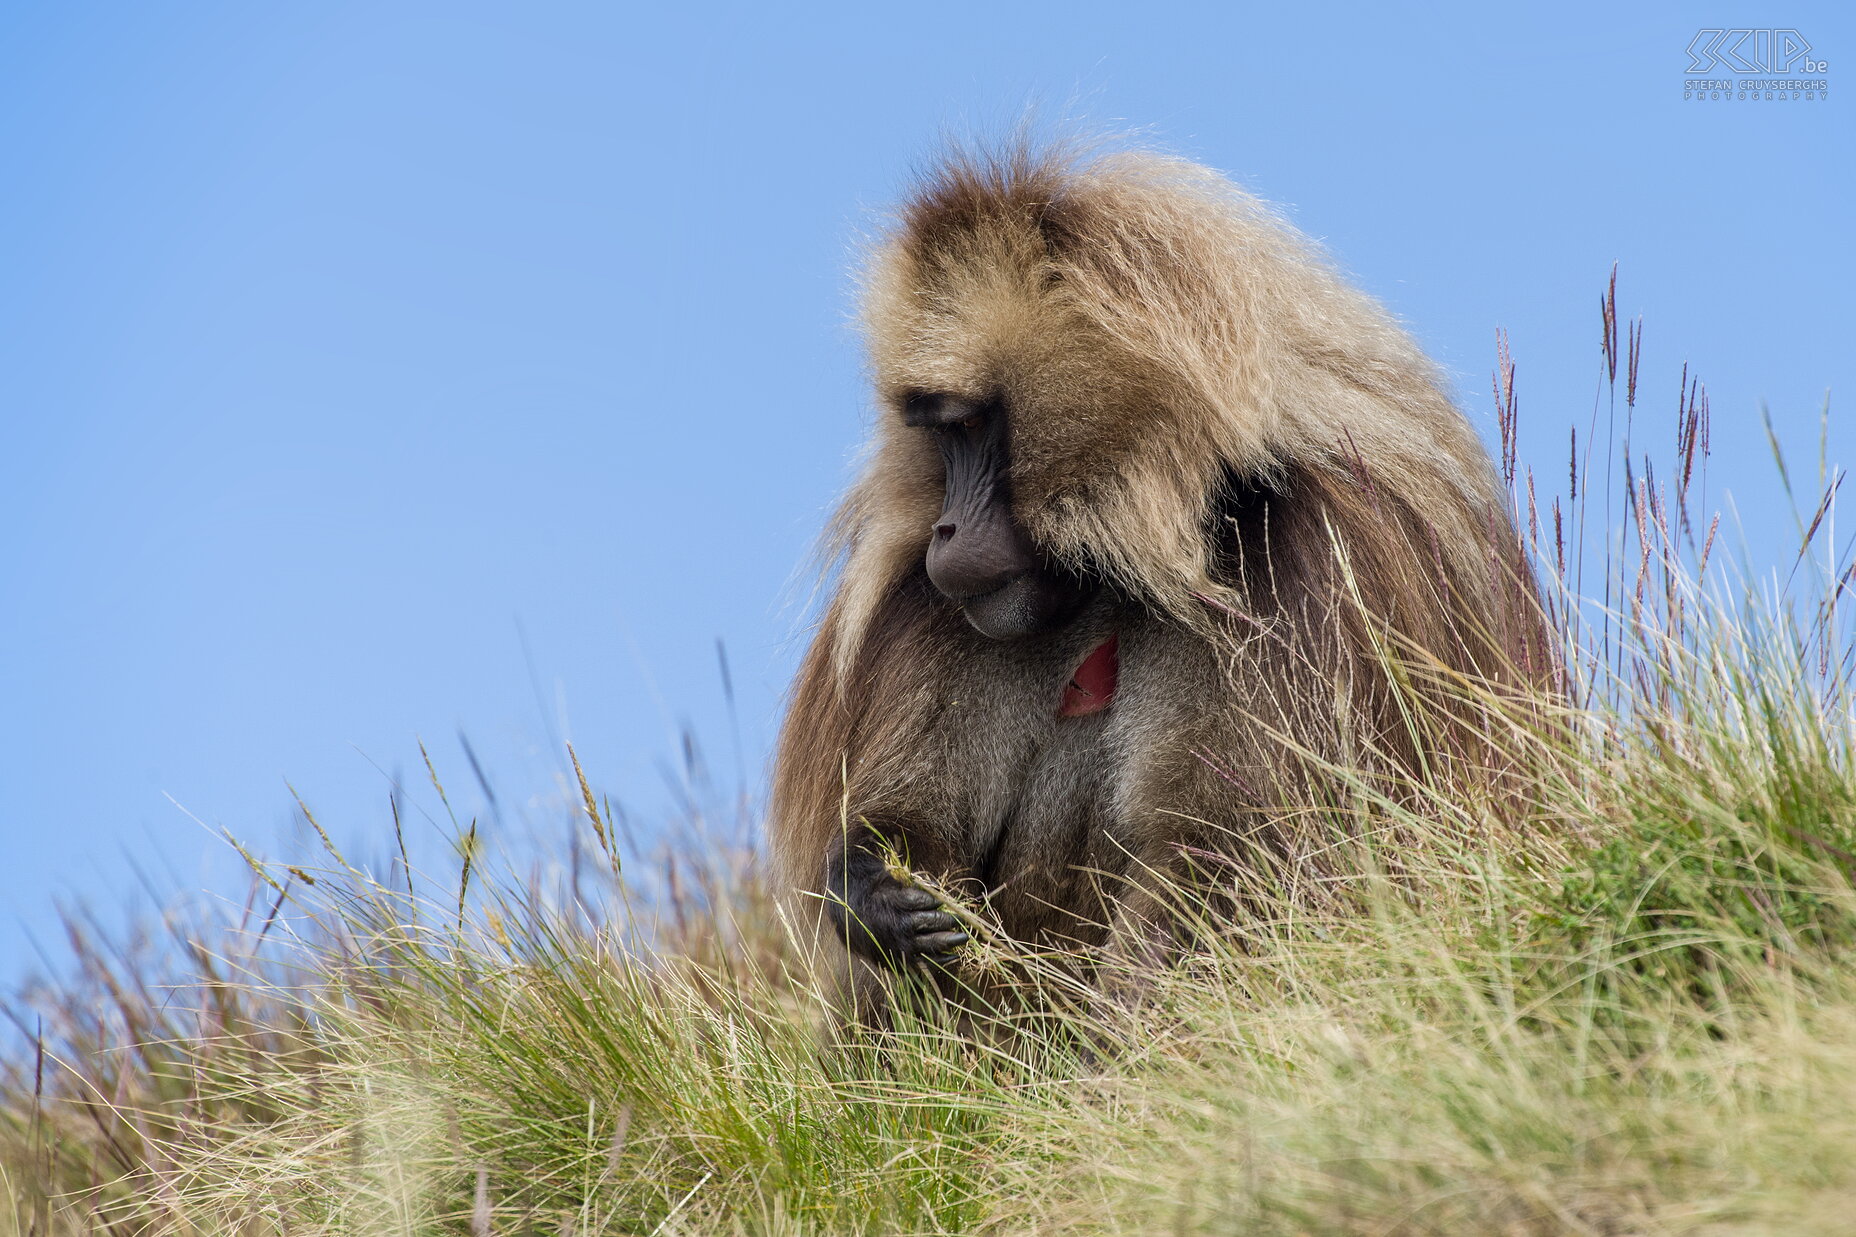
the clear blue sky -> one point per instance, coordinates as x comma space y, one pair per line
372, 371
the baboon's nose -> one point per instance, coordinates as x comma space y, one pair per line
966, 559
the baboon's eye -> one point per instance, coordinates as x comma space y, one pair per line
943, 413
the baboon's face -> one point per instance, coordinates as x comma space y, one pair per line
979, 556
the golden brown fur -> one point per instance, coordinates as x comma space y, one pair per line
1258, 463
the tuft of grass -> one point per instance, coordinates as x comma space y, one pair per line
1611, 996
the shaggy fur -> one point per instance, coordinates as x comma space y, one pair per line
1257, 462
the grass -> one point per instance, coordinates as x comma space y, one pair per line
1625, 1008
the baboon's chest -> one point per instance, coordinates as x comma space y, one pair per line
1044, 731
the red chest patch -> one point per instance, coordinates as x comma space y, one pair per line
1092, 686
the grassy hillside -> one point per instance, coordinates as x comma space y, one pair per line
1621, 1002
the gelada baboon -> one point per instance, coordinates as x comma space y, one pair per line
1155, 504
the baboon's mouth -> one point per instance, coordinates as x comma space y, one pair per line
1031, 603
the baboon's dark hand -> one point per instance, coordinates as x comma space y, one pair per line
886, 920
